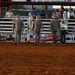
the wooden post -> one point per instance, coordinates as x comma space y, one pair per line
0, 11
32, 6
61, 6
7, 8
46, 6
70, 7
62, 10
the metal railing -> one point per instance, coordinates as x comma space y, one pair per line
53, 0
6, 27
43, 1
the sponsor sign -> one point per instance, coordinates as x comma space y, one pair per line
70, 38
43, 38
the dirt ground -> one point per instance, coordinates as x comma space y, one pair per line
44, 59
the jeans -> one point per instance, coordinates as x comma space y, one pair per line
37, 37
17, 37
55, 37
63, 36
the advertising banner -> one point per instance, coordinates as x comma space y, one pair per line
70, 38
43, 38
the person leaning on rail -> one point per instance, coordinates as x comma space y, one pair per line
43, 13
34, 12
55, 28
72, 15
18, 27
9, 14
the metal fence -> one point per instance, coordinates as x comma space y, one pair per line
52, 0
6, 29
44, 0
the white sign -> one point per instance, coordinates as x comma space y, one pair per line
70, 38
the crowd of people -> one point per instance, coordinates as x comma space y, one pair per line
69, 14
56, 27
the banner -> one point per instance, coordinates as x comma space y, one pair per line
43, 38
70, 38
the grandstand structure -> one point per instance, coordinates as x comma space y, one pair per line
7, 3
6, 24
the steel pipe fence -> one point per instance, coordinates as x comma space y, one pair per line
7, 35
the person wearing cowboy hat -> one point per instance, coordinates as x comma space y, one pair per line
18, 27
37, 28
55, 28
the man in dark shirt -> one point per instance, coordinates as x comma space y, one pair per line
37, 27
18, 27
55, 27
34, 12
43, 13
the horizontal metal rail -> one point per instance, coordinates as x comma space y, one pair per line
7, 24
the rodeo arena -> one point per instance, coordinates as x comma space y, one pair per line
35, 49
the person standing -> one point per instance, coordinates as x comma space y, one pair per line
55, 28
34, 12
9, 14
63, 32
18, 27
72, 15
58, 14
62, 12
43, 13
37, 27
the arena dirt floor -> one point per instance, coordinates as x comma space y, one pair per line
44, 59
